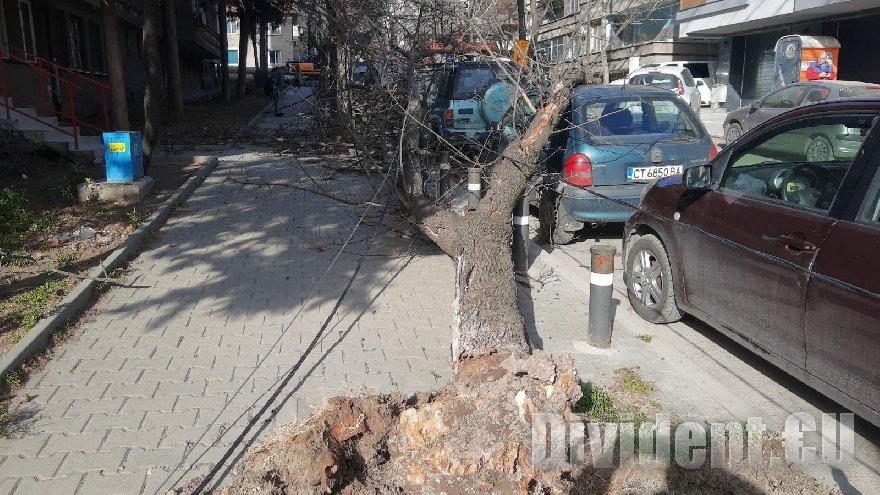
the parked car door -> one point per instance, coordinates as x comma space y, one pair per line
747, 245
843, 301
775, 103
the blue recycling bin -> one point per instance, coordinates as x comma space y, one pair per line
123, 156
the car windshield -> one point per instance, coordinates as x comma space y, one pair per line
658, 80
637, 119
470, 81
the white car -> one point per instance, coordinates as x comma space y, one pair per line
676, 79
702, 72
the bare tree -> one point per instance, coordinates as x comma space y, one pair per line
243, 11
172, 62
154, 79
224, 52
118, 103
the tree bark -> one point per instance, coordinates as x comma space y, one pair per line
172, 60
154, 78
244, 30
264, 46
224, 53
486, 316
256, 47
118, 104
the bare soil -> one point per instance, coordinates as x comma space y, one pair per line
475, 436
58, 243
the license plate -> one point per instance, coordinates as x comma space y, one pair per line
648, 173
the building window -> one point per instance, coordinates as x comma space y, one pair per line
274, 56
96, 47
76, 41
274, 30
574, 6
233, 57
27, 28
232, 26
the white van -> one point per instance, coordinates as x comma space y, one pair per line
703, 72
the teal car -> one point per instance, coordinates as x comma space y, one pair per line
471, 97
610, 143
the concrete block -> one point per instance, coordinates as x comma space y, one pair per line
117, 192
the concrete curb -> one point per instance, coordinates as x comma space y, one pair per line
37, 338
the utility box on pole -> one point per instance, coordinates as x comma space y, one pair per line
123, 156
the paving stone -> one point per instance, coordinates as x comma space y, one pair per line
113, 483
86, 392
98, 422
107, 462
26, 447
58, 485
133, 404
144, 439
84, 406
183, 418
160, 457
85, 442
39, 467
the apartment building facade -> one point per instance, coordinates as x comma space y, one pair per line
68, 36
747, 31
630, 33
283, 44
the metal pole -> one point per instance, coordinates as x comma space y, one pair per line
443, 182
521, 236
601, 288
474, 188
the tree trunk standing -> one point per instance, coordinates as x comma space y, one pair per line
255, 44
605, 39
154, 79
521, 18
264, 46
118, 103
172, 60
244, 30
224, 53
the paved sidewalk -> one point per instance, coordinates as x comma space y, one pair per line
157, 388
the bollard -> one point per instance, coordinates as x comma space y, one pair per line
443, 184
474, 188
601, 279
521, 236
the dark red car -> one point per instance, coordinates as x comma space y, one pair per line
776, 250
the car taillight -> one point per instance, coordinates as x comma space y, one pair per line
448, 118
713, 152
680, 88
578, 170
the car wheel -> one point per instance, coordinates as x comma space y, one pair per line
548, 219
734, 131
820, 150
649, 281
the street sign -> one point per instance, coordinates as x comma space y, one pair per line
521, 52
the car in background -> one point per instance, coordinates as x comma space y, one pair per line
794, 95
676, 79
612, 141
462, 107
775, 250
702, 71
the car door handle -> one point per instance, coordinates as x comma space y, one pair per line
796, 242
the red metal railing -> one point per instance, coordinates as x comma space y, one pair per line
51, 89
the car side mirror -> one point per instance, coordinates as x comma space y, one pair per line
755, 105
698, 177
